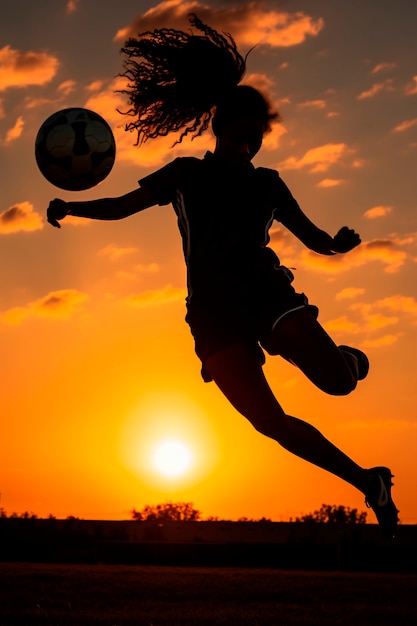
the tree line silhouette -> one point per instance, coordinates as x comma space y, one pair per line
186, 512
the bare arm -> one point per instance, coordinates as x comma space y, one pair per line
316, 239
102, 209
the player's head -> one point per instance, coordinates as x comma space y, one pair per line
243, 101
179, 81
241, 119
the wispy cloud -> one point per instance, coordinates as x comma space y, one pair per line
96, 85
405, 125
56, 304
329, 182
386, 251
411, 87
252, 23
374, 320
377, 211
383, 67
137, 270
350, 293
114, 252
399, 303
15, 132
343, 324
386, 85
72, 6
312, 104
157, 296
318, 159
381, 342
20, 217
20, 69
370, 319
67, 87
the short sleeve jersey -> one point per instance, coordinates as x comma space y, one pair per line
224, 215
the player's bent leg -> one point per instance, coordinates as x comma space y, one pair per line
301, 339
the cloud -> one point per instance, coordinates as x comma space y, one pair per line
251, 23
381, 342
137, 270
284, 243
20, 69
56, 304
405, 125
389, 311
349, 293
383, 67
376, 88
399, 303
342, 325
385, 251
114, 252
312, 104
16, 131
374, 321
96, 85
72, 6
157, 296
377, 211
329, 182
411, 87
67, 87
20, 217
318, 159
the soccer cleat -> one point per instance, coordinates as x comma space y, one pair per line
360, 358
378, 498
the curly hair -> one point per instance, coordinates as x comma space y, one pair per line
180, 81
177, 78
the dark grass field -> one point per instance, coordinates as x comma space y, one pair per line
83, 595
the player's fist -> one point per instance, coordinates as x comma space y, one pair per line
346, 239
56, 211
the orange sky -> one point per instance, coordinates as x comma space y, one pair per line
98, 366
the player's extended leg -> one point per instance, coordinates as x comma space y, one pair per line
239, 375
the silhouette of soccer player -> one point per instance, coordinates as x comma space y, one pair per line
241, 300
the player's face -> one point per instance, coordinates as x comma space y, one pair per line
240, 140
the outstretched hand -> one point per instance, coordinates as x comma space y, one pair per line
346, 239
57, 210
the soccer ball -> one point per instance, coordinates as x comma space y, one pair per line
75, 149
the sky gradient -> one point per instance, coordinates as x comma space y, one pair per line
97, 364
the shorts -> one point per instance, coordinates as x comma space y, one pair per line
248, 318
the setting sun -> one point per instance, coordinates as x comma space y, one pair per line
167, 442
172, 458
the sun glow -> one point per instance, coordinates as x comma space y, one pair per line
172, 458
168, 442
